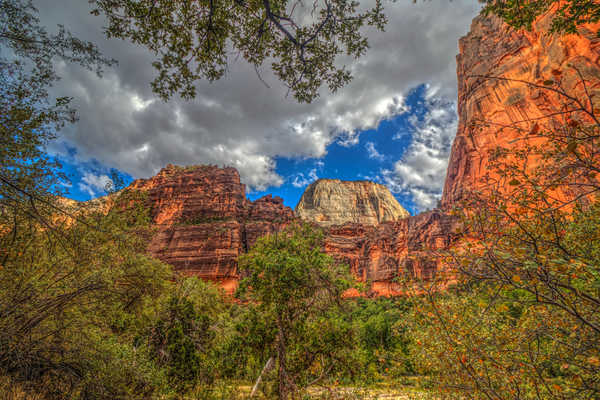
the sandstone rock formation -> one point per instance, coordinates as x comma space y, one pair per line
333, 202
497, 103
385, 254
369, 230
204, 220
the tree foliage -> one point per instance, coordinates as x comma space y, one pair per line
381, 351
195, 39
568, 14
524, 320
72, 282
29, 118
298, 289
182, 333
70, 295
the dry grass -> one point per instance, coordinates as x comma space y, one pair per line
13, 391
371, 394
350, 393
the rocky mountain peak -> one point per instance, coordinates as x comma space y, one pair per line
334, 202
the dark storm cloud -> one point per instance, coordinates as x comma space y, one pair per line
238, 121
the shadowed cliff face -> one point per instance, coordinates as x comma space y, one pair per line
330, 202
497, 107
387, 254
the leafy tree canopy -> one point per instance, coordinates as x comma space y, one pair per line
299, 289
29, 118
195, 39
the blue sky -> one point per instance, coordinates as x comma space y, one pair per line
373, 152
393, 123
376, 149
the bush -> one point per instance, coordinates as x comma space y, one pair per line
71, 298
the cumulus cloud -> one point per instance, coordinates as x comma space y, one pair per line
421, 171
372, 152
93, 184
300, 180
238, 120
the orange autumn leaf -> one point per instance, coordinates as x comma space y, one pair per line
535, 129
557, 387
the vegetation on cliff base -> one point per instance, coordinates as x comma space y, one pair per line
71, 294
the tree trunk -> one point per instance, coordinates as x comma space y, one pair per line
281, 373
266, 368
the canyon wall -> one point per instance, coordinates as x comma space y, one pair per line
508, 82
368, 229
389, 254
204, 221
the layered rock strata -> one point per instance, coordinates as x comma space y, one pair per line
330, 202
204, 220
389, 254
508, 82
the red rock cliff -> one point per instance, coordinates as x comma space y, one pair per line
204, 220
385, 254
497, 107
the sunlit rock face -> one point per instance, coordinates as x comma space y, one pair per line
330, 202
495, 105
204, 220
367, 229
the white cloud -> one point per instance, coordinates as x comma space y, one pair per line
93, 184
301, 180
372, 152
239, 121
421, 171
